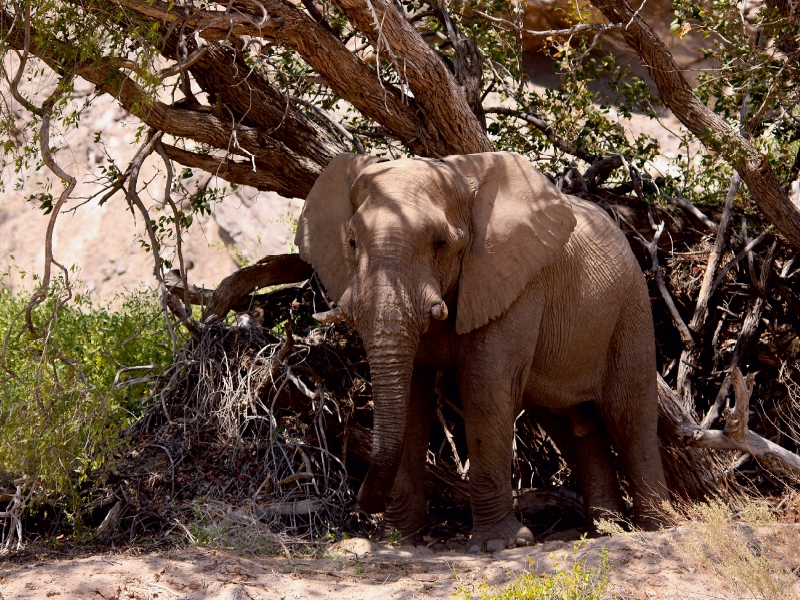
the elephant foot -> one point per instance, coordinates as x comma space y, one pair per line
403, 523
508, 533
401, 534
404, 517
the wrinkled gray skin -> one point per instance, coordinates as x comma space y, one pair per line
548, 312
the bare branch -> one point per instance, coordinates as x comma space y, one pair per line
652, 247
545, 128
737, 420
688, 359
177, 218
133, 197
45, 112
460, 468
735, 260
690, 208
578, 30
600, 169
182, 66
747, 336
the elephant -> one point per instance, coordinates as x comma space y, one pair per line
478, 266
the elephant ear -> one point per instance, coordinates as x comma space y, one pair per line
322, 228
520, 224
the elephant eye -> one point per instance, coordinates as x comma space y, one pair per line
352, 242
439, 241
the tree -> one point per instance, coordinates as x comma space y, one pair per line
266, 92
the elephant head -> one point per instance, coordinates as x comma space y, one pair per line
395, 241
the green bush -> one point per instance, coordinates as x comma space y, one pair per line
63, 398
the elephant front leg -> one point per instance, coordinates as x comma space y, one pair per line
405, 511
490, 408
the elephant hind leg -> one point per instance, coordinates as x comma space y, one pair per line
583, 441
629, 408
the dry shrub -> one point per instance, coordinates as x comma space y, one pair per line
743, 544
235, 447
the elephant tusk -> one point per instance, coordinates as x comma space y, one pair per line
439, 311
332, 317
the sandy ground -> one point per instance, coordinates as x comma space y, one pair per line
642, 566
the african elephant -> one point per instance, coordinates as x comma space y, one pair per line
477, 265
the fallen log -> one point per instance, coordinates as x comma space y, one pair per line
737, 436
692, 473
270, 270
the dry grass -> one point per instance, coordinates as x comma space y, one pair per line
742, 545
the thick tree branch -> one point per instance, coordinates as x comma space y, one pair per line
270, 270
468, 63
692, 473
240, 172
737, 436
435, 89
272, 163
348, 76
709, 127
787, 10
216, 24
223, 74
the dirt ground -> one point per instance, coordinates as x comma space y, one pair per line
642, 566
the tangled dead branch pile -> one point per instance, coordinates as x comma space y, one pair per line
239, 427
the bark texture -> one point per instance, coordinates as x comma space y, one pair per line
415, 121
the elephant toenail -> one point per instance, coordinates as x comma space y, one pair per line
495, 545
474, 549
522, 542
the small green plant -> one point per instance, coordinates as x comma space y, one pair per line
395, 538
359, 570
608, 527
565, 583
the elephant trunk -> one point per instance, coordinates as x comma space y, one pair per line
391, 343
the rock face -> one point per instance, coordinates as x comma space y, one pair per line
103, 242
